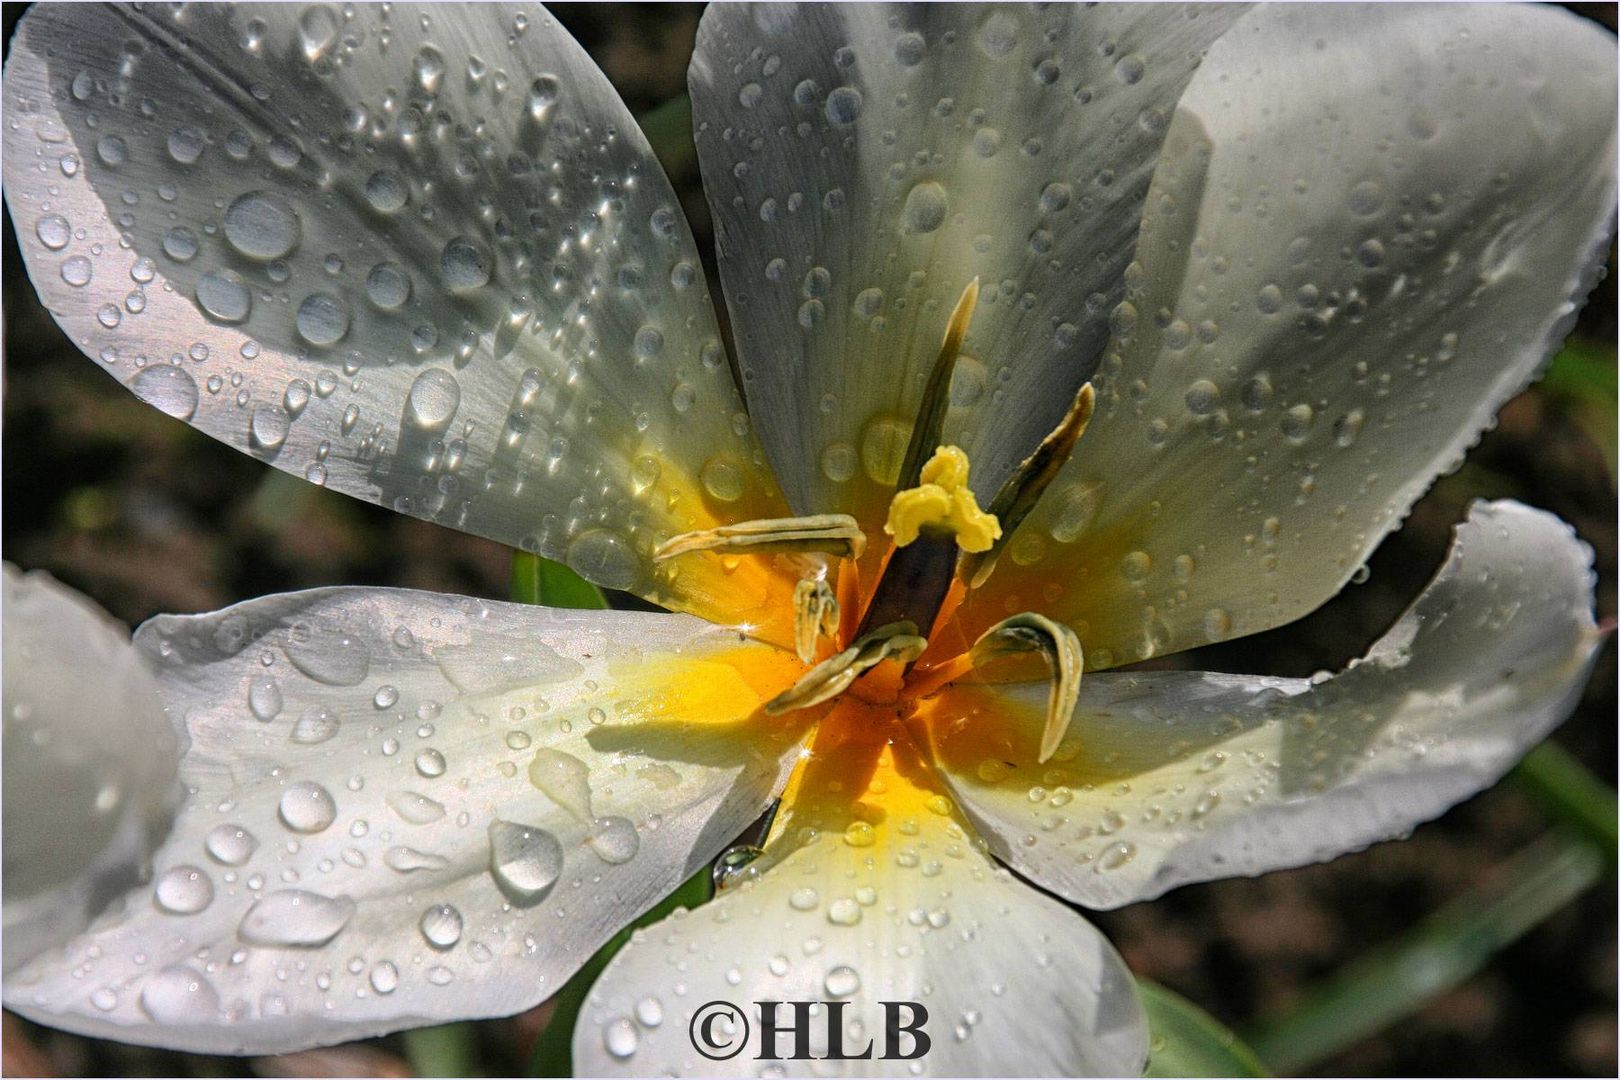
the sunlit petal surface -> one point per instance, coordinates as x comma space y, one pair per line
1369, 228
89, 763
1172, 777
874, 892
422, 256
864, 162
406, 808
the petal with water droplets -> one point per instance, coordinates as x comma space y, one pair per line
871, 891
865, 162
1167, 778
420, 255
413, 866
89, 765
1370, 227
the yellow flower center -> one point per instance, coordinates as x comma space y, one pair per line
942, 502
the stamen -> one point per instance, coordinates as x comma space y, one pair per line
942, 502
831, 677
815, 615
936, 400
1059, 646
835, 534
1023, 488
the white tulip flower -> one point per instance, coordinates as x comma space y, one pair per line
1221, 292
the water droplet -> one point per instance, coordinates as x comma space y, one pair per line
525, 860
441, 926
465, 265
230, 845
167, 387
842, 982
224, 297
414, 808
315, 727
614, 839
387, 191
926, 206
542, 95
602, 556
619, 1037
183, 890
77, 271
264, 698
388, 286
322, 319
307, 807
294, 918
54, 231
384, 977
330, 657
843, 912
262, 225
430, 763
844, 105
434, 397
564, 779
180, 995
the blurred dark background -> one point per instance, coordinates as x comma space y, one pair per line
146, 516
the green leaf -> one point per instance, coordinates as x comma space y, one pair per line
1187, 1041
553, 1051
1440, 953
1569, 792
544, 581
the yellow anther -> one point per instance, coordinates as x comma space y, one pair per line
943, 501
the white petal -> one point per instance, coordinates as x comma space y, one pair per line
89, 763
407, 808
1013, 983
420, 255
864, 162
1167, 778
1369, 228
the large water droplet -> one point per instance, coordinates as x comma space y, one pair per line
525, 860
330, 657
262, 225
223, 296
183, 890
465, 265
315, 727
168, 387
842, 981
322, 319
294, 918
180, 995
441, 926
614, 839
564, 779
307, 807
619, 1037
602, 556
434, 397
231, 845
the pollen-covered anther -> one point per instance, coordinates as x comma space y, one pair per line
815, 615
896, 641
1059, 646
942, 502
833, 534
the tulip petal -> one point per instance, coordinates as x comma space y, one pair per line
407, 808
1167, 778
865, 162
89, 763
420, 255
899, 904
1369, 229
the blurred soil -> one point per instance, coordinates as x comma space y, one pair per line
147, 516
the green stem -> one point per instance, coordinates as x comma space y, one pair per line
1569, 792
1438, 954
541, 581
553, 1051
